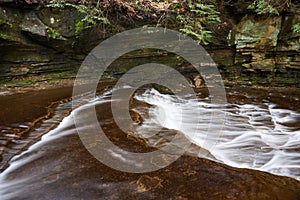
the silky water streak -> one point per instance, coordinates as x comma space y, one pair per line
111, 49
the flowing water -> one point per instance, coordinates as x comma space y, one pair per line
261, 131
257, 135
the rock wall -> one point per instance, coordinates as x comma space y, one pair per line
266, 47
249, 49
36, 41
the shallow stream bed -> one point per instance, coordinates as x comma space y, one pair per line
257, 156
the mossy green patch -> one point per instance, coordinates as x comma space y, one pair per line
79, 26
122, 70
53, 34
296, 28
32, 80
142, 9
5, 22
80, 57
5, 36
22, 82
286, 81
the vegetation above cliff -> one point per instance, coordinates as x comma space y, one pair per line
196, 18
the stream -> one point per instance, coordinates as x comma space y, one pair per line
260, 133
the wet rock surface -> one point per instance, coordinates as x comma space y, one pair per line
76, 174
20, 114
60, 167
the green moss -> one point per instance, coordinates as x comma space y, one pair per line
142, 9
80, 57
122, 70
10, 24
55, 77
79, 26
5, 22
21, 83
61, 75
285, 81
7, 37
296, 28
53, 34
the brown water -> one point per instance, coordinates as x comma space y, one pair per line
59, 167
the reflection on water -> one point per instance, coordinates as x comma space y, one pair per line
257, 133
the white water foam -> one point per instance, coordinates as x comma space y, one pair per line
255, 136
